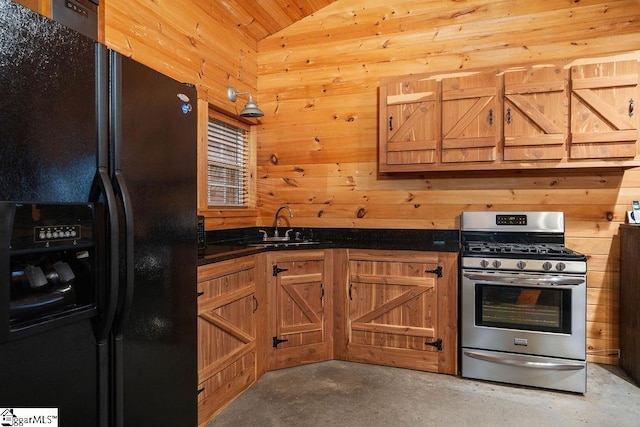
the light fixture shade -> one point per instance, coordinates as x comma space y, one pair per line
251, 109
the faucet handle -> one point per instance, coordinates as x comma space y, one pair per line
286, 233
264, 234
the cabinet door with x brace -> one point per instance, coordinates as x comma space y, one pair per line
299, 309
604, 123
397, 314
227, 313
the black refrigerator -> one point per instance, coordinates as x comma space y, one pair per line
80, 124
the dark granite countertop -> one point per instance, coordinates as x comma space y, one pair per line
234, 243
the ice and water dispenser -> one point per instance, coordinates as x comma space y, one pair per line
47, 266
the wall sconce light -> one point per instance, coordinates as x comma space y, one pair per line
251, 109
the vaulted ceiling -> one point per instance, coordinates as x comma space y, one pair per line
262, 18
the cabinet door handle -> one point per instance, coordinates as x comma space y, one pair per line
508, 116
491, 117
350, 287
631, 107
321, 291
390, 122
255, 303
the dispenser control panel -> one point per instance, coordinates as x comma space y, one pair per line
57, 233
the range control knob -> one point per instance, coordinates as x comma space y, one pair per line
521, 265
496, 263
484, 263
560, 266
547, 266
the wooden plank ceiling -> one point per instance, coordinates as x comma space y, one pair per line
261, 18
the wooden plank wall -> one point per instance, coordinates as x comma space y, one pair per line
192, 41
317, 144
189, 40
317, 82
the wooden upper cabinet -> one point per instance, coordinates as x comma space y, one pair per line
409, 122
470, 125
569, 114
535, 116
604, 123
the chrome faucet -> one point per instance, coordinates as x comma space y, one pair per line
275, 219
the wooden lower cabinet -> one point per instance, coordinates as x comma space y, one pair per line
287, 308
402, 309
227, 323
299, 308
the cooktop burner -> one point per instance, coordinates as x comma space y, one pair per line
517, 248
521, 241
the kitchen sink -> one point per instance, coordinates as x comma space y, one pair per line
284, 244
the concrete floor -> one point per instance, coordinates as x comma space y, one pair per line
347, 394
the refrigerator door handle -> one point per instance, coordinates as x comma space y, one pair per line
127, 301
102, 186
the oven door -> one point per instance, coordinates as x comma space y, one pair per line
528, 313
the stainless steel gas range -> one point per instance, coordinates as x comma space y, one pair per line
523, 301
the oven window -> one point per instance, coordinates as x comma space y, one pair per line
527, 308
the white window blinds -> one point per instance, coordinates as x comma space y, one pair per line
227, 171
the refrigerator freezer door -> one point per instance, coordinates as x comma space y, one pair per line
47, 153
47, 109
154, 158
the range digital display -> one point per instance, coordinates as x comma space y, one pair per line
511, 220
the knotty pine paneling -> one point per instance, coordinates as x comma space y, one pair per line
317, 144
192, 41
188, 41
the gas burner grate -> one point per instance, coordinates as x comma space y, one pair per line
517, 248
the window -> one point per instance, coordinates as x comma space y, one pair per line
227, 164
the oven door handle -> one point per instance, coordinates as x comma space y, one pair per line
525, 279
556, 366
